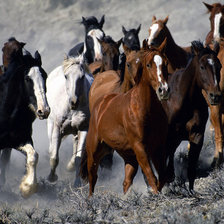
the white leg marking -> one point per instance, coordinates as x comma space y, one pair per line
28, 185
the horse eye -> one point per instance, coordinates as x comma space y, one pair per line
27, 79
128, 65
202, 67
66, 77
148, 66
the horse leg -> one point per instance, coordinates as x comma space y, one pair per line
193, 156
71, 163
55, 143
131, 168
28, 185
77, 157
4, 160
215, 118
142, 159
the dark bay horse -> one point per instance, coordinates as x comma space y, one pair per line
178, 57
91, 46
186, 108
134, 124
9, 48
23, 98
110, 58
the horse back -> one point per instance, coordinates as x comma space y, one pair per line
76, 50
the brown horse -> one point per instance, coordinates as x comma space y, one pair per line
110, 60
9, 48
186, 108
216, 11
134, 124
111, 81
178, 56
216, 35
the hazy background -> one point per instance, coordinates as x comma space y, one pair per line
52, 27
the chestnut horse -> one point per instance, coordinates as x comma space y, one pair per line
216, 34
110, 58
178, 56
216, 11
186, 107
134, 124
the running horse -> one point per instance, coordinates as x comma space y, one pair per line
214, 38
178, 58
134, 124
110, 58
23, 99
8, 50
69, 84
91, 46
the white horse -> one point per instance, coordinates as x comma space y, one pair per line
68, 97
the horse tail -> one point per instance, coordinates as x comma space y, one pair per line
83, 167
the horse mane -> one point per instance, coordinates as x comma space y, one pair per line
69, 61
202, 50
12, 39
108, 39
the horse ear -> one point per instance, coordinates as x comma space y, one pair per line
209, 7
127, 50
153, 18
118, 43
124, 30
162, 46
145, 45
83, 21
22, 44
38, 58
138, 29
165, 20
101, 22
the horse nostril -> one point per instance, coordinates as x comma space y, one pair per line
160, 90
40, 112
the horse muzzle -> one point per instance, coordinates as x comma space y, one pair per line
44, 113
214, 98
163, 93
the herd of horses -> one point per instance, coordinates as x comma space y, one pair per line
141, 103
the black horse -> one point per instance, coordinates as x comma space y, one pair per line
22, 94
91, 47
131, 40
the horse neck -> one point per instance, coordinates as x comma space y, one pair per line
126, 84
176, 55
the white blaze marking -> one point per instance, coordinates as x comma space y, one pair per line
217, 19
137, 60
38, 83
158, 61
153, 29
96, 33
211, 62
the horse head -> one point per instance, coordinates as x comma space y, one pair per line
208, 71
110, 51
92, 47
74, 72
216, 11
35, 85
11, 47
154, 70
157, 32
131, 39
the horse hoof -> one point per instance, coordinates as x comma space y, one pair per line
27, 190
77, 183
52, 178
